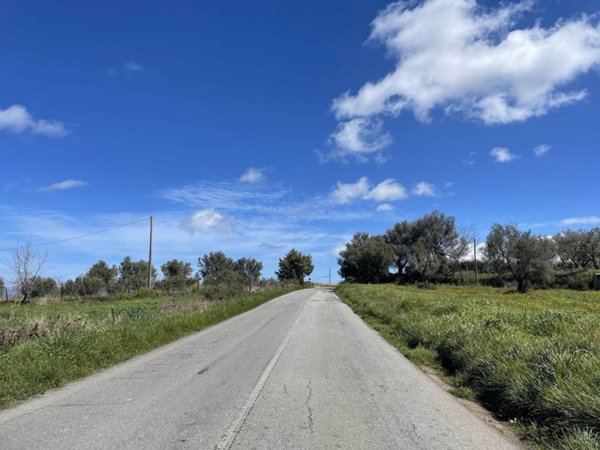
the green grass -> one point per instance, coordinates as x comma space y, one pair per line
532, 359
81, 338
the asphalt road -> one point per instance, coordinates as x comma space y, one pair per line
302, 372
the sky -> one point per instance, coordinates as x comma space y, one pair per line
255, 127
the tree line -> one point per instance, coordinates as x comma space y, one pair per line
219, 275
432, 250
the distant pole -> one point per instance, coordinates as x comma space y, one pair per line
150, 257
6, 293
330, 275
475, 255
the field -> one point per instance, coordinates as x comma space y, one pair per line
46, 346
533, 359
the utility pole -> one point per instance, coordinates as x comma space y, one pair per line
330, 275
475, 255
150, 257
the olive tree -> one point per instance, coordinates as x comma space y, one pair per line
528, 258
220, 279
104, 273
400, 240
434, 244
250, 270
366, 259
133, 275
177, 274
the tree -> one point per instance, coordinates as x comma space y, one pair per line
26, 266
400, 240
177, 273
250, 270
104, 273
366, 259
435, 243
527, 257
294, 266
220, 279
134, 275
43, 286
592, 246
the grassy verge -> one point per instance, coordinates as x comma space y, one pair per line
533, 359
81, 338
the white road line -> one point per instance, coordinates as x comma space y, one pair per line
236, 426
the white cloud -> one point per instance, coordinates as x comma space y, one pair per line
502, 155
541, 150
253, 176
470, 159
335, 251
387, 190
589, 220
346, 193
132, 66
424, 189
385, 207
472, 60
65, 185
209, 221
359, 137
16, 119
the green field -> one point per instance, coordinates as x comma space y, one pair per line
533, 359
46, 346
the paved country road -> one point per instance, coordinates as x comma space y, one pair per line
301, 371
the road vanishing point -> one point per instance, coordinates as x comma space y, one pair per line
299, 372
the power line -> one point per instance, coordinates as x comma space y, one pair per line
58, 241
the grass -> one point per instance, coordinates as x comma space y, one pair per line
47, 346
533, 359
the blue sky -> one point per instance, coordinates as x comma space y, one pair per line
255, 127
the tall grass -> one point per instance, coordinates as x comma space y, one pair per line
533, 359
63, 354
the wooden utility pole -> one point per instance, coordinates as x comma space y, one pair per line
475, 255
330, 275
150, 257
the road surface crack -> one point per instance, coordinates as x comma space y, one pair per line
307, 403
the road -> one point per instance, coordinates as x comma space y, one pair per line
302, 372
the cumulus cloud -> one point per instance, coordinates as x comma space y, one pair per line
589, 220
209, 221
65, 185
541, 150
385, 207
424, 189
253, 176
359, 138
468, 59
386, 191
502, 155
16, 119
346, 193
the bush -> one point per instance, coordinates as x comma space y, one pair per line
580, 281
